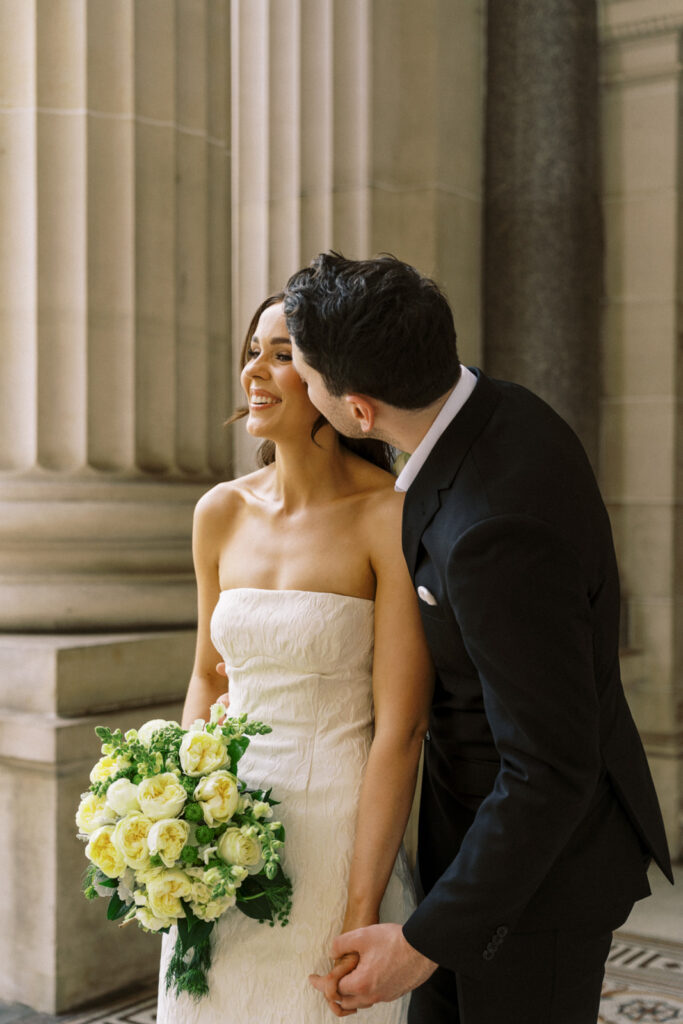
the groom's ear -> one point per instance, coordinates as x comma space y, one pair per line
362, 410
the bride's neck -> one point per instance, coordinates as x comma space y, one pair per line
308, 472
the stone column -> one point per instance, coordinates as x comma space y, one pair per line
542, 245
114, 382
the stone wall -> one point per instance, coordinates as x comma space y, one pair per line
642, 373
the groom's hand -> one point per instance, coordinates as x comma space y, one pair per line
389, 966
328, 984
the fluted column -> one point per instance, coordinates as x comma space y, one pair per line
114, 383
114, 299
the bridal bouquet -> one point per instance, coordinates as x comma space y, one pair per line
175, 838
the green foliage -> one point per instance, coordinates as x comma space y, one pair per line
193, 812
116, 908
266, 899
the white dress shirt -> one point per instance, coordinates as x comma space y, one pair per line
449, 410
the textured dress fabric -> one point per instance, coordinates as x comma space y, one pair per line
301, 662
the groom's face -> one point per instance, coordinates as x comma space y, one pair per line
335, 409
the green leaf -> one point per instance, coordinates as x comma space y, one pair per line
236, 748
117, 908
108, 883
192, 931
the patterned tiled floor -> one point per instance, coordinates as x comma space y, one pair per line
644, 982
644, 985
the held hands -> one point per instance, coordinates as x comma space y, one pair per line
328, 985
387, 966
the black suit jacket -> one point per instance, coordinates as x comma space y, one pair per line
538, 810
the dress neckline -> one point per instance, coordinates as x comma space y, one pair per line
315, 593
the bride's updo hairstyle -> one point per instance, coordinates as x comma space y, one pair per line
377, 452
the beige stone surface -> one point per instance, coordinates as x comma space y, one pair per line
53, 691
637, 449
642, 373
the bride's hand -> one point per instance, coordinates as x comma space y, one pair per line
224, 697
327, 984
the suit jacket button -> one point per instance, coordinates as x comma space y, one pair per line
502, 931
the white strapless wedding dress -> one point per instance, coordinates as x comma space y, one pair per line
301, 662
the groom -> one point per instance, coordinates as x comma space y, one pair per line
538, 815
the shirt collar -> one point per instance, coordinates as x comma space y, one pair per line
449, 410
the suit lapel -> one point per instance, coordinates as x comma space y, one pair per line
423, 497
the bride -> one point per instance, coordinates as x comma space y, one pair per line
304, 594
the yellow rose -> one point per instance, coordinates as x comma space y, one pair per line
235, 847
93, 812
150, 922
165, 893
218, 796
201, 753
130, 839
167, 838
104, 854
162, 796
108, 766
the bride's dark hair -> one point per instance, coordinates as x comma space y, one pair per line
377, 452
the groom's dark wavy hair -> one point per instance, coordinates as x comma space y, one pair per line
373, 327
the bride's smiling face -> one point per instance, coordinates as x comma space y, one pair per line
279, 406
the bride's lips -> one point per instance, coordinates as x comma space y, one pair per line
259, 399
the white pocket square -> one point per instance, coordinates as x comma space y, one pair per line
426, 595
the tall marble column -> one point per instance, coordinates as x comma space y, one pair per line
542, 236
114, 382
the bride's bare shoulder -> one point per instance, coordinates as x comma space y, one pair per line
382, 504
229, 498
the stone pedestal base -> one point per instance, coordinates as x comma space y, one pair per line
57, 950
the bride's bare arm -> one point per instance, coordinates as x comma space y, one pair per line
402, 690
206, 685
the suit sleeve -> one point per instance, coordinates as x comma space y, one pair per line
522, 604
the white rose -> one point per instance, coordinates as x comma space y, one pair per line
167, 838
104, 855
130, 839
93, 812
146, 731
150, 922
201, 753
108, 766
218, 796
162, 796
122, 796
235, 847
165, 893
